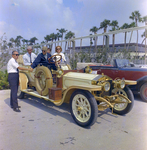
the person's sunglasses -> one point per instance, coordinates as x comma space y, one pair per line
58, 48
16, 54
43, 51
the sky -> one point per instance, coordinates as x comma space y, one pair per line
39, 18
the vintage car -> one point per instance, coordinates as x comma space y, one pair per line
85, 92
123, 69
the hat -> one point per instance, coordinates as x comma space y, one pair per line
44, 48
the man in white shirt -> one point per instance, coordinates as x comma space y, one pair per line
13, 79
29, 57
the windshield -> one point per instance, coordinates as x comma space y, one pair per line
122, 63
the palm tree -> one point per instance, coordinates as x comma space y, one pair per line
69, 35
94, 30
104, 25
32, 40
59, 36
145, 36
47, 38
62, 30
17, 40
12, 40
125, 26
10, 45
131, 26
23, 40
136, 16
115, 26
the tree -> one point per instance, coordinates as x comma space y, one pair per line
131, 26
62, 30
10, 45
125, 26
47, 38
115, 26
18, 38
59, 36
136, 16
94, 30
144, 19
12, 40
32, 40
104, 25
69, 35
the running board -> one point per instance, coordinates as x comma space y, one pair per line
35, 93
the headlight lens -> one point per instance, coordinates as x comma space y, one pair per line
106, 86
122, 84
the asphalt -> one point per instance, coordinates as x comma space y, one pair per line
43, 126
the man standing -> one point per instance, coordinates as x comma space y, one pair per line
29, 57
13, 79
42, 59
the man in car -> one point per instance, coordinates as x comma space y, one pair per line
29, 57
42, 59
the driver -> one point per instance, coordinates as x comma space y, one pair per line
58, 50
42, 59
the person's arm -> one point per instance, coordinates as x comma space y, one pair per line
63, 57
22, 68
36, 61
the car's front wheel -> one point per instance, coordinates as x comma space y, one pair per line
143, 92
124, 107
83, 108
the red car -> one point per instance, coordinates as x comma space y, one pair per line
123, 69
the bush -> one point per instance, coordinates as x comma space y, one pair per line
4, 84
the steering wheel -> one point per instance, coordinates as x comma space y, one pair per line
55, 58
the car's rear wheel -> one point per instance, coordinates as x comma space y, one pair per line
83, 108
143, 92
124, 107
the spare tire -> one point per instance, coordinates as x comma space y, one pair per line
43, 80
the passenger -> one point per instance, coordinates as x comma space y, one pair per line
13, 79
29, 57
58, 50
42, 59
49, 50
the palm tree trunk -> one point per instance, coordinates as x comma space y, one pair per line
130, 40
125, 39
80, 45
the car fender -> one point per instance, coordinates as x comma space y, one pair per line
23, 81
141, 81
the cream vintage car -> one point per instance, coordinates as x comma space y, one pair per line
85, 92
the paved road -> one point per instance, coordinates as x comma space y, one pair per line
42, 126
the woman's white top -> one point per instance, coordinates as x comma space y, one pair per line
58, 57
12, 66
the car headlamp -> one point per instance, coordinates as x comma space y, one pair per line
121, 84
105, 86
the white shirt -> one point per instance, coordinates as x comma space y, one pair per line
58, 57
12, 66
26, 58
